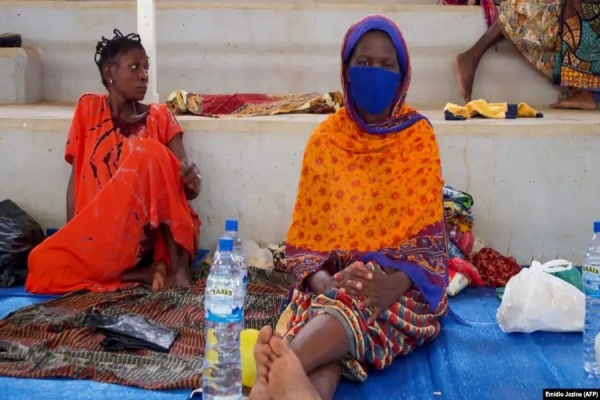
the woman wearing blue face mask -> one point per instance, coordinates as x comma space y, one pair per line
367, 241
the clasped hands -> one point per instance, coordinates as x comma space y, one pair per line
381, 289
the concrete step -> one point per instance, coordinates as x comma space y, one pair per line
264, 2
279, 47
532, 179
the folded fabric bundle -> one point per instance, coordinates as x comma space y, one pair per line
481, 108
253, 104
131, 332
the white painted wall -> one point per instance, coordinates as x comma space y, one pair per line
20, 76
282, 47
534, 182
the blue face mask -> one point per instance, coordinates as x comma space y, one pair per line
373, 88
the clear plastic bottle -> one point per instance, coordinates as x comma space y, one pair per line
231, 231
591, 288
223, 302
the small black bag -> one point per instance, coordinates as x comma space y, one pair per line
19, 234
131, 332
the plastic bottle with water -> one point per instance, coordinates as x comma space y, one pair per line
591, 288
231, 231
223, 302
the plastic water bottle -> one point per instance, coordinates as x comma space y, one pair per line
591, 288
231, 231
223, 302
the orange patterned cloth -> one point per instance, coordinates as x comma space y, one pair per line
371, 193
377, 199
126, 185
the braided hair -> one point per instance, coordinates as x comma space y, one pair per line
107, 50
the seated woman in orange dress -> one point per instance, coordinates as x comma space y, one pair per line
367, 241
128, 218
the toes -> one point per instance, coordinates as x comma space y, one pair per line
261, 348
278, 346
263, 374
159, 278
263, 370
262, 355
262, 351
264, 335
158, 282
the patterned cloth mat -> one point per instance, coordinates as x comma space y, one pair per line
253, 104
49, 340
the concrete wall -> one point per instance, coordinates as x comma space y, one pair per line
533, 179
20, 76
283, 47
534, 182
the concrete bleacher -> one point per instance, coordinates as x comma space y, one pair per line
532, 179
287, 47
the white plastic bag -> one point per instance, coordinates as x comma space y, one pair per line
257, 257
535, 300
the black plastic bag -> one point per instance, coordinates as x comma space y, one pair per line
131, 332
19, 234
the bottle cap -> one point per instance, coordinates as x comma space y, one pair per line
231, 225
225, 244
596, 226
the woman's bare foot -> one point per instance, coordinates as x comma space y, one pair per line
158, 276
262, 357
154, 275
287, 379
583, 100
464, 68
180, 276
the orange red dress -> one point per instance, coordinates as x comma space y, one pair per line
126, 185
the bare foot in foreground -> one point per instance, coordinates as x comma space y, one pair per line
262, 357
583, 100
464, 69
287, 379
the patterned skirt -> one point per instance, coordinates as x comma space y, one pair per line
406, 325
533, 27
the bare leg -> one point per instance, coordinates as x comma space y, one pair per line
287, 379
465, 64
582, 100
325, 379
322, 342
180, 274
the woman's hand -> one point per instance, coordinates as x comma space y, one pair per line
386, 289
352, 279
321, 282
381, 289
190, 175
